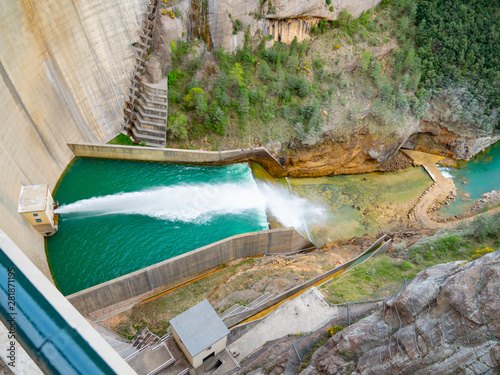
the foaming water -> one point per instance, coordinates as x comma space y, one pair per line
445, 171
199, 203
120, 216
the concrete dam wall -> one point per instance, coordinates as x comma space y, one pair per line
64, 68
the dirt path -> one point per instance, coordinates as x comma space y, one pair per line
439, 191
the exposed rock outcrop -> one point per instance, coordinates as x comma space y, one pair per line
438, 133
444, 321
361, 152
215, 21
153, 70
168, 29
434, 137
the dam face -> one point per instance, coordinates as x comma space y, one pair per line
64, 68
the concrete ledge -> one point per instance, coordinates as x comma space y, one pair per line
279, 241
258, 155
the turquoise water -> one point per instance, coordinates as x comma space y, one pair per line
119, 216
481, 174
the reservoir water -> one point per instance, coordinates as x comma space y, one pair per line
120, 216
475, 177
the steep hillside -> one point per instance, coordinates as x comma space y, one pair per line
330, 92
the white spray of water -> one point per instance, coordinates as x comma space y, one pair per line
199, 203
445, 171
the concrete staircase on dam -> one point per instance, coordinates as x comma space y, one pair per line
145, 112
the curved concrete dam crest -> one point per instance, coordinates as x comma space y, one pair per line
64, 68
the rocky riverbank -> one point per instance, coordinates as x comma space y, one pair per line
490, 198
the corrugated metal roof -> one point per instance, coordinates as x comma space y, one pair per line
199, 327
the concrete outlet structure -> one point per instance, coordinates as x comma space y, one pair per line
200, 333
37, 206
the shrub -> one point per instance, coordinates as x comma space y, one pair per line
243, 104
299, 86
485, 226
197, 99
174, 76
218, 120
176, 126
253, 96
237, 26
191, 95
236, 74
333, 330
285, 111
386, 92
364, 61
478, 253
265, 72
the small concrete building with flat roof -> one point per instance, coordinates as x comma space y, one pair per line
200, 333
37, 206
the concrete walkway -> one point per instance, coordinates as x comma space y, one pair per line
439, 191
303, 314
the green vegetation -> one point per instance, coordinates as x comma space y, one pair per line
258, 84
445, 49
155, 314
260, 94
385, 273
121, 139
459, 44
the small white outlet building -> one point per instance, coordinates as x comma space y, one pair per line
200, 333
37, 206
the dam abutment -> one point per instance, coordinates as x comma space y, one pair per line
184, 266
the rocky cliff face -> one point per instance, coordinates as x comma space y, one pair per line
438, 133
444, 321
215, 21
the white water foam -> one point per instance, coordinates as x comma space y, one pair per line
200, 202
445, 171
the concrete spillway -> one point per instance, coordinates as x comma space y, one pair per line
64, 68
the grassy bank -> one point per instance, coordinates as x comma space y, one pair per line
121, 139
379, 277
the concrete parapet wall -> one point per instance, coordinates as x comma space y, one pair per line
259, 155
283, 240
